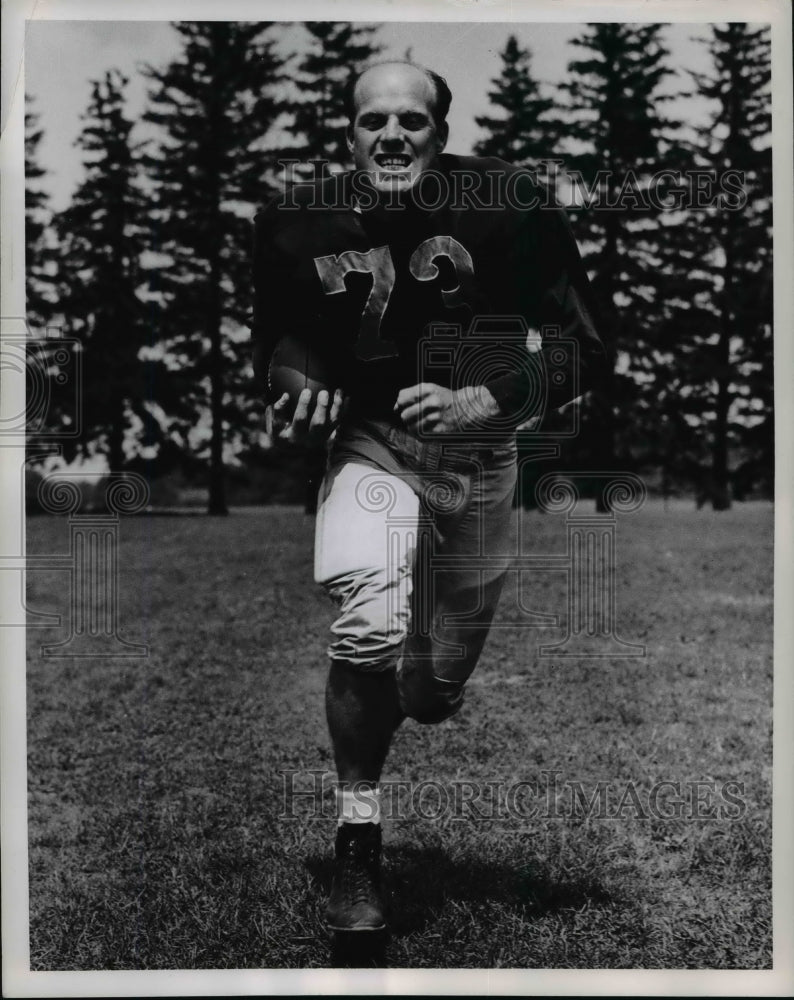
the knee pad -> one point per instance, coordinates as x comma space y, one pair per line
364, 554
423, 696
373, 621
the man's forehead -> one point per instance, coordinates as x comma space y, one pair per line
390, 82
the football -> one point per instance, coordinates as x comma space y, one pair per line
294, 367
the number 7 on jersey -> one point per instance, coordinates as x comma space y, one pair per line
378, 262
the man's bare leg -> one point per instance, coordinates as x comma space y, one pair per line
363, 712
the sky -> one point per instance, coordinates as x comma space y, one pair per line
63, 57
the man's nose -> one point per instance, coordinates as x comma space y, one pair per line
393, 131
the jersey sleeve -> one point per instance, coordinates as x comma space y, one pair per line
273, 279
555, 298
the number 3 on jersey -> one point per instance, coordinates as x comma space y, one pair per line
378, 262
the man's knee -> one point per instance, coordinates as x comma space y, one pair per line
373, 620
423, 696
368, 653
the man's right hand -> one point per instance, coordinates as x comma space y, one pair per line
310, 425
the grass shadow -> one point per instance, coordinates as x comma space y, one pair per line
424, 881
420, 882
361, 950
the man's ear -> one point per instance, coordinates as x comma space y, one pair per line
442, 134
349, 137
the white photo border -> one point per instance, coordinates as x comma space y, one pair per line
18, 980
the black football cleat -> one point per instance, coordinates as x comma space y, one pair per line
356, 903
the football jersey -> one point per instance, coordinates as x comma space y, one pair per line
441, 289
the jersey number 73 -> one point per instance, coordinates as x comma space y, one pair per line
378, 262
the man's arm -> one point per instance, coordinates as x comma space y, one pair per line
270, 280
311, 421
553, 291
558, 295
428, 408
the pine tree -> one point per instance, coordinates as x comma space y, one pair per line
37, 218
619, 137
524, 134
100, 248
726, 365
215, 104
337, 50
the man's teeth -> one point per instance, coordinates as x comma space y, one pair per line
399, 162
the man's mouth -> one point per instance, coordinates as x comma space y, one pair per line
393, 161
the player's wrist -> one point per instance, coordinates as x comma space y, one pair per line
475, 406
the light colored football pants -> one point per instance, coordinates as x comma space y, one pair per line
412, 543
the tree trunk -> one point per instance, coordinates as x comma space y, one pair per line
721, 494
217, 478
116, 437
607, 462
720, 484
604, 396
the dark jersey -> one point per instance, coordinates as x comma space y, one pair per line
478, 257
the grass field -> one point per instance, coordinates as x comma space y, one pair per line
156, 784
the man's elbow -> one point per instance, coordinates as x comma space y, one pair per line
259, 359
592, 367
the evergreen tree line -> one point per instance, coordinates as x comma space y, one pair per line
149, 266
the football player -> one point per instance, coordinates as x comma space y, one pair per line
364, 267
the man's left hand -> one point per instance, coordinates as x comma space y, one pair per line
428, 408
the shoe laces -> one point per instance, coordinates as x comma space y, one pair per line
360, 863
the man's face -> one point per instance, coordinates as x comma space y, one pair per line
394, 136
